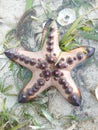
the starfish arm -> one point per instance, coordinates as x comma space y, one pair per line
24, 58
35, 86
68, 88
50, 38
76, 56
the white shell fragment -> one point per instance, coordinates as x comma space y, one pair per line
96, 92
66, 16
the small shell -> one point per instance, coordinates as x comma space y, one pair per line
66, 16
96, 92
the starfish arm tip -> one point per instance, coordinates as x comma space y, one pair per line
90, 51
22, 98
75, 99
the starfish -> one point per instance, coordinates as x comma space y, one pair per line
47, 69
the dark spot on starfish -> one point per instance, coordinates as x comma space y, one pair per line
50, 42
26, 60
21, 57
65, 85
69, 90
50, 36
51, 29
32, 61
29, 92
62, 74
22, 98
47, 79
74, 58
61, 65
42, 65
48, 23
65, 65
51, 59
50, 48
56, 73
35, 88
74, 97
39, 59
41, 82
79, 56
16, 56
62, 59
55, 78
69, 60
54, 54
46, 73
41, 74
62, 81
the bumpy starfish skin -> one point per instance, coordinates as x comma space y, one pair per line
47, 69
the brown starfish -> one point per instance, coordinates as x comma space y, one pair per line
47, 69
